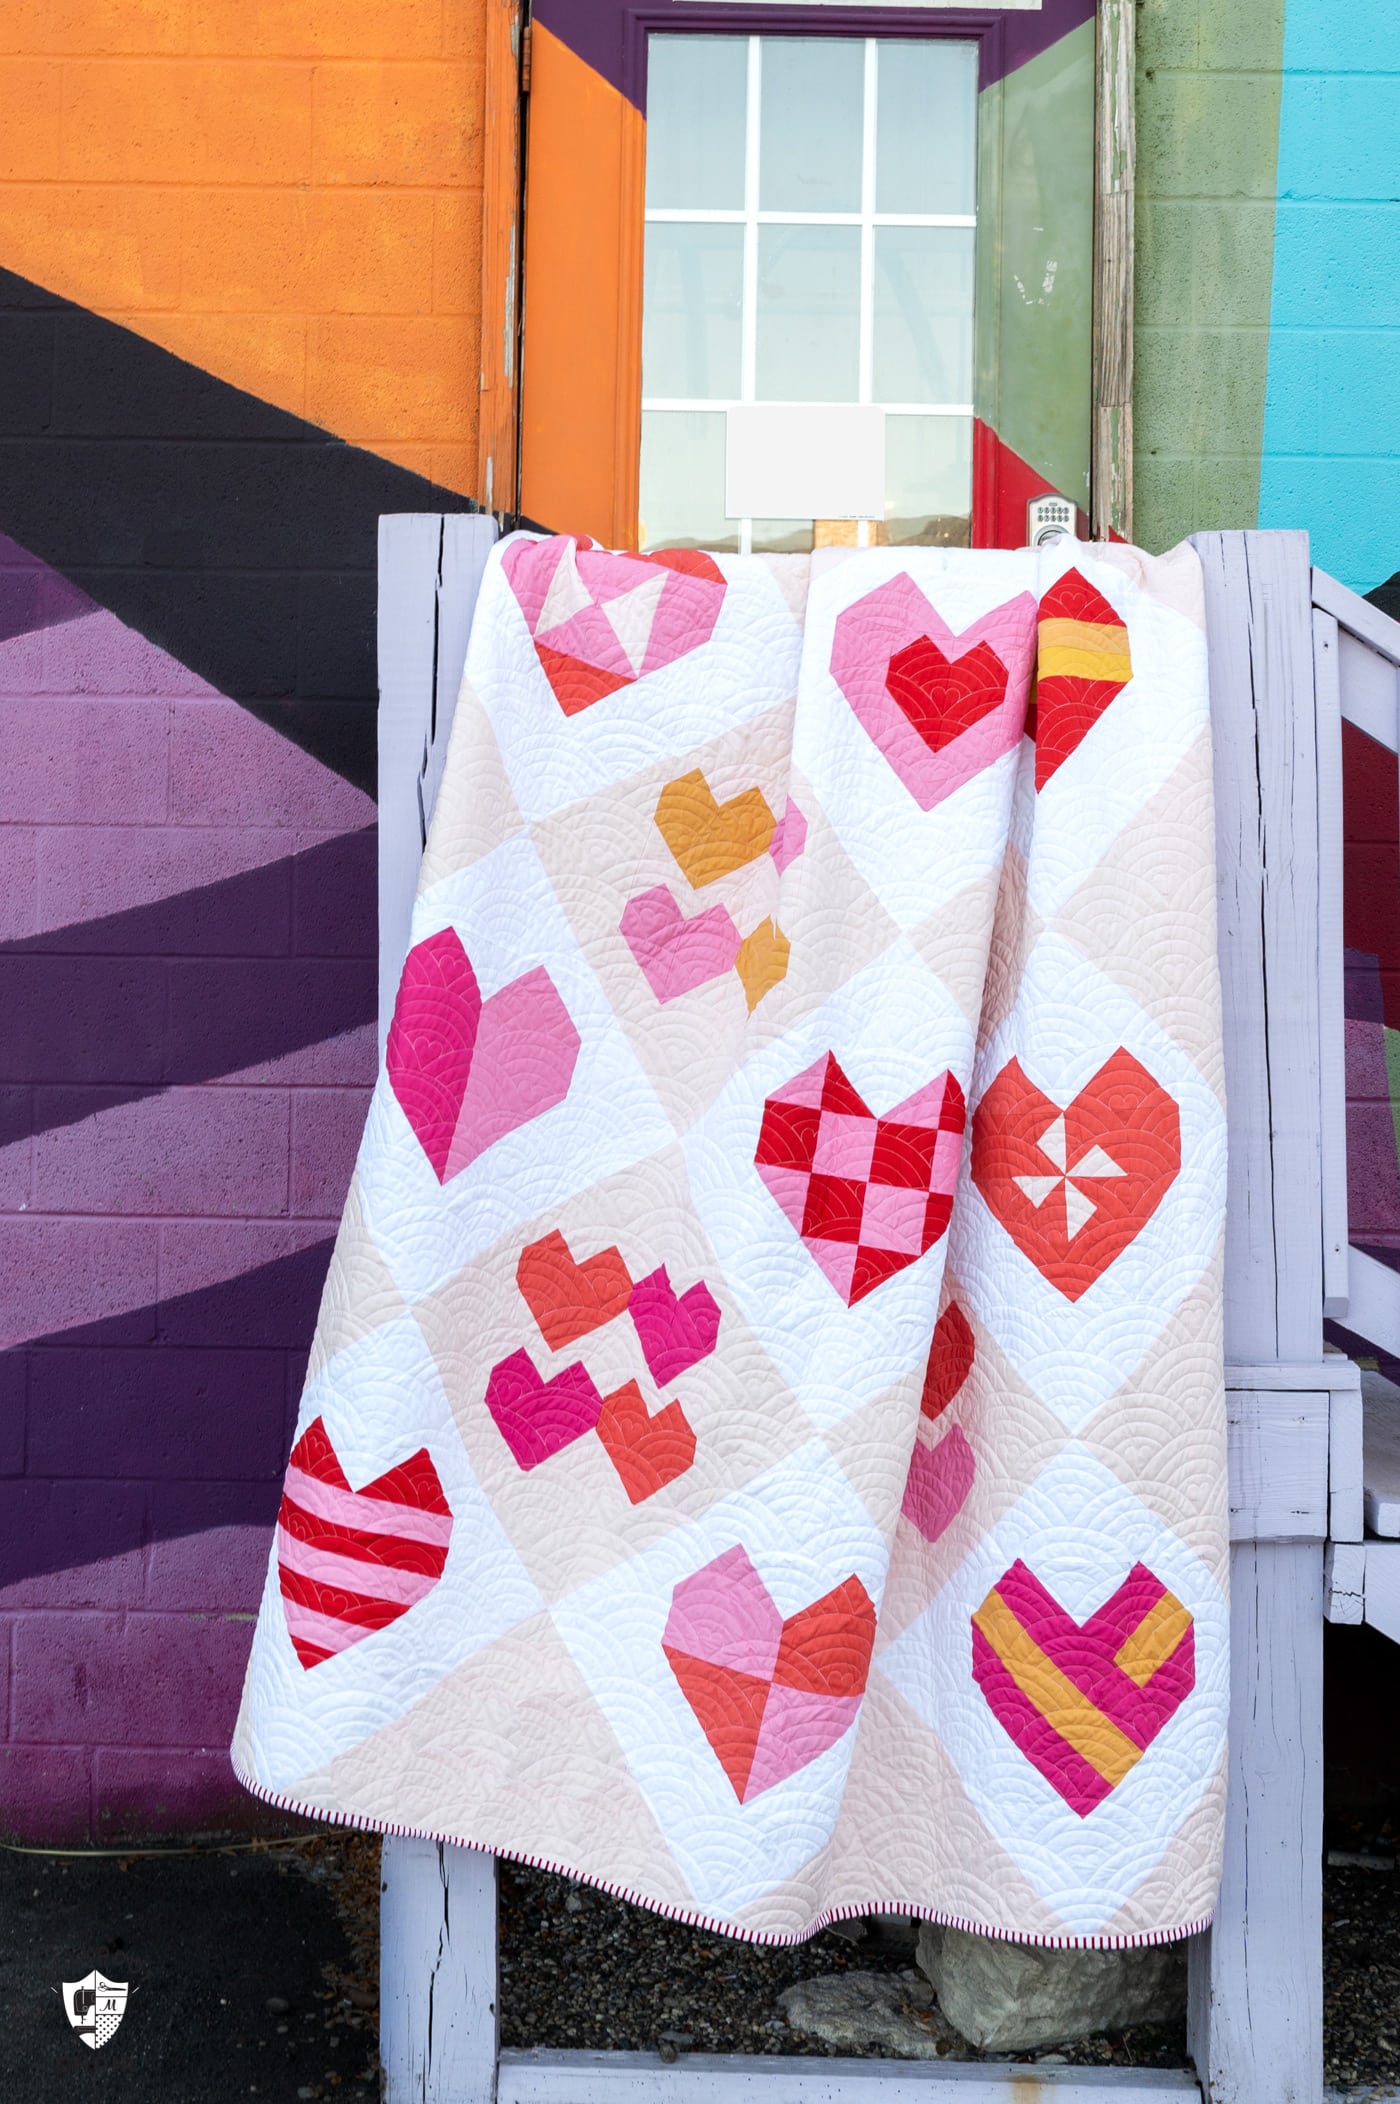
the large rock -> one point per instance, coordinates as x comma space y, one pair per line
1004, 1997
860, 2012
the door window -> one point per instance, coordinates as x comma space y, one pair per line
811, 218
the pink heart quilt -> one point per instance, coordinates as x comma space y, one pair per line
600, 621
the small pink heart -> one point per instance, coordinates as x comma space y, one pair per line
940, 1478
466, 1071
675, 1331
677, 954
535, 1417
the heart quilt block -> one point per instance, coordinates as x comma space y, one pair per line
868, 1195
1073, 1186
350, 1562
769, 1694
1083, 664
941, 707
600, 621
1083, 1700
467, 1071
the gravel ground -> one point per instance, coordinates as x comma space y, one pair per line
580, 1969
256, 1974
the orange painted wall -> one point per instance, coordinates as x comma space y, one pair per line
286, 192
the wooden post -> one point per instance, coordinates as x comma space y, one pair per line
430, 566
1256, 1977
1115, 153
437, 1973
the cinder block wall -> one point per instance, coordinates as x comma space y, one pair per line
239, 263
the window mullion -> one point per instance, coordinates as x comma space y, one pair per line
748, 327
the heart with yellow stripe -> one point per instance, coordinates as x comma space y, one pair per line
1083, 1700
1082, 664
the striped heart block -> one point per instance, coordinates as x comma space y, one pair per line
1083, 1700
350, 1562
1083, 664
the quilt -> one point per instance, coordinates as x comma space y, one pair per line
763, 1450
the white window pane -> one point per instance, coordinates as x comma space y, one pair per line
691, 309
923, 313
696, 103
926, 129
812, 104
928, 481
808, 313
682, 482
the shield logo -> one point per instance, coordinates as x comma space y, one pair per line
94, 2007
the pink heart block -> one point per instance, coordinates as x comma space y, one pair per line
941, 707
466, 1071
600, 621
868, 1195
538, 1418
940, 1478
352, 1562
675, 954
769, 1695
675, 1331
1083, 1701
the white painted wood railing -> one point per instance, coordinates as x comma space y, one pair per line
1291, 653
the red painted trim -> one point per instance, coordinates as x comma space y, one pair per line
1002, 486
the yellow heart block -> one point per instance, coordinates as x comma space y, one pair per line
711, 840
762, 961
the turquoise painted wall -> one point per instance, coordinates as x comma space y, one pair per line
1331, 445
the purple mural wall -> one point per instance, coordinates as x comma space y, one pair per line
187, 988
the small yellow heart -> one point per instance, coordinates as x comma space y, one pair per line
762, 961
710, 840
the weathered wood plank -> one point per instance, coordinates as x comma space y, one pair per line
1331, 981
1383, 1588
1278, 1465
1344, 1582
713, 2078
437, 1973
1373, 1301
1357, 614
1111, 474
1346, 1494
430, 566
1370, 687
1255, 2019
1381, 1454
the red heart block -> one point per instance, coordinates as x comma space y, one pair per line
943, 697
602, 620
950, 1360
675, 1331
539, 1418
569, 1300
941, 707
1074, 1187
647, 1452
770, 1695
1083, 665
350, 1562
868, 1195
1083, 1701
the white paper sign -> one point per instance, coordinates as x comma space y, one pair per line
804, 461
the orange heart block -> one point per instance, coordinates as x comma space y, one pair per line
1074, 1186
647, 1452
711, 840
569, 1299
